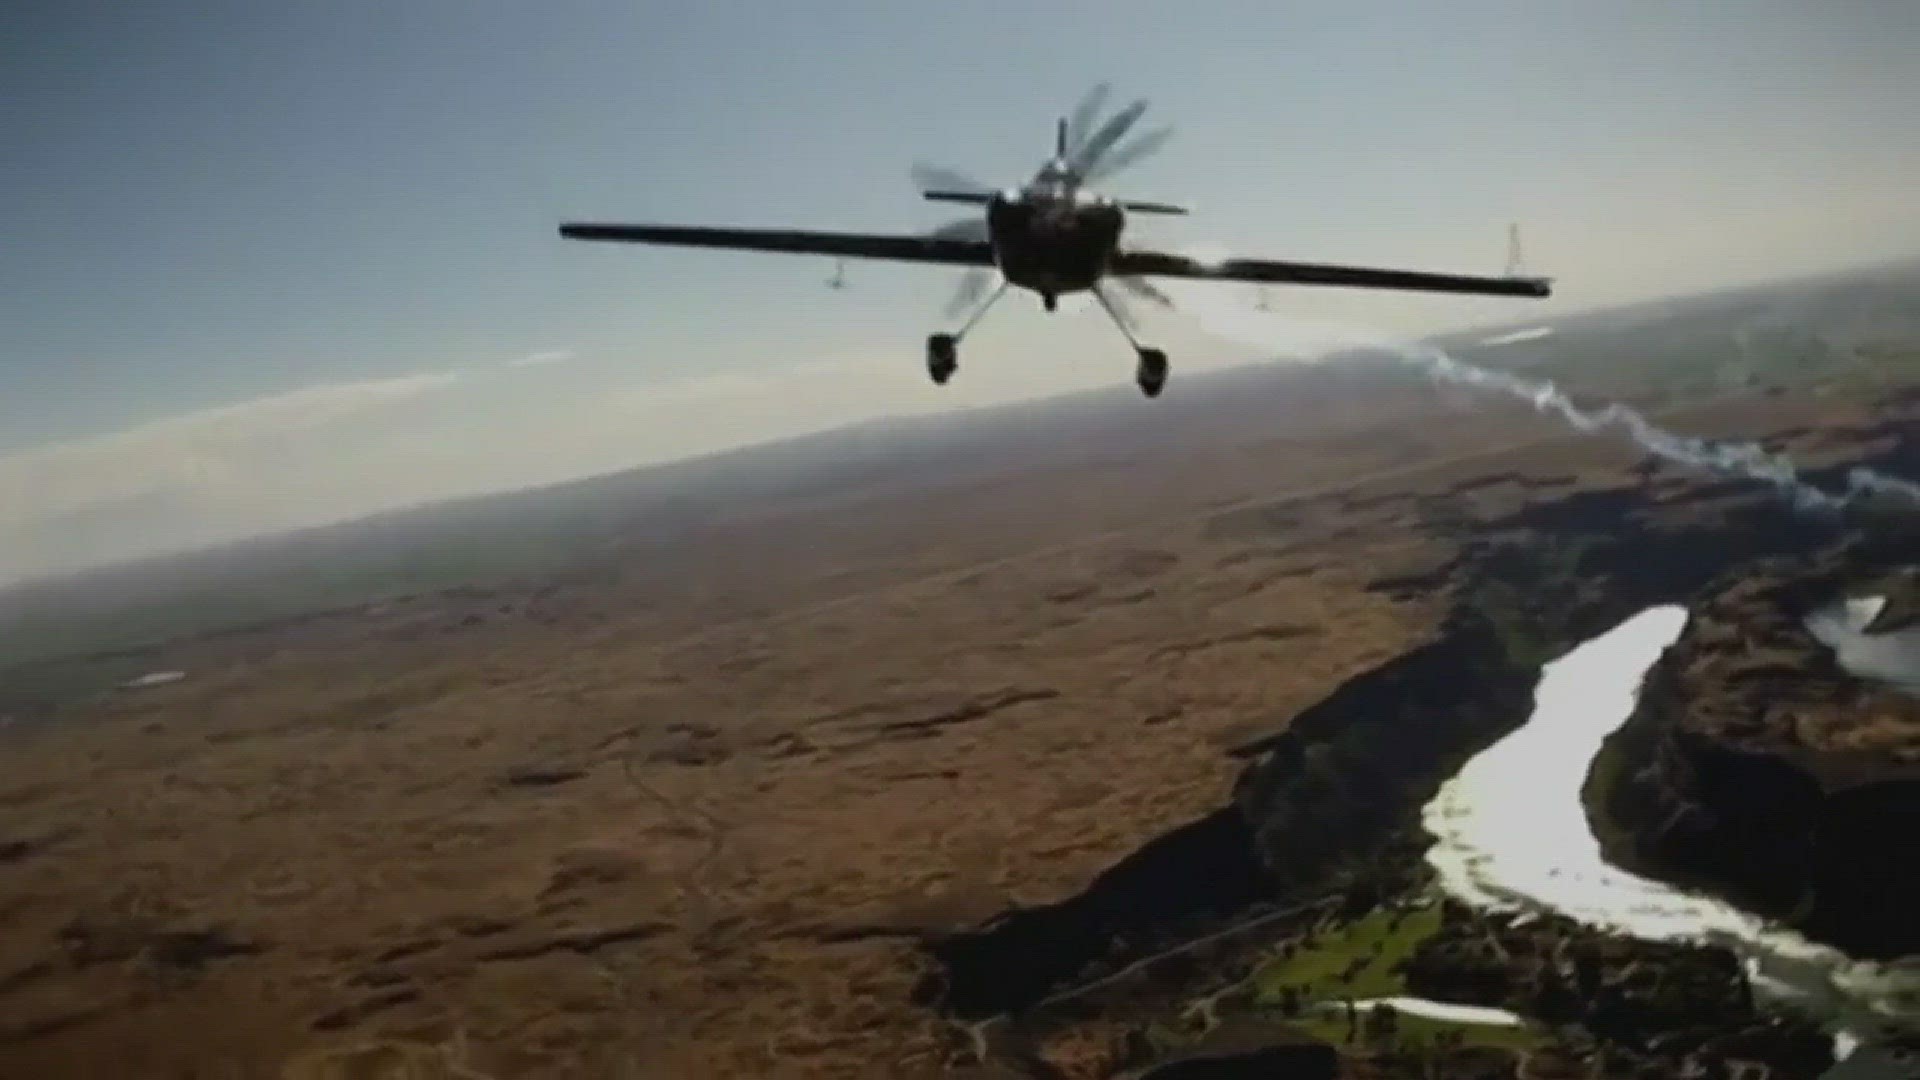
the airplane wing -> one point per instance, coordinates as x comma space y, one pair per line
929, 249
1265, 271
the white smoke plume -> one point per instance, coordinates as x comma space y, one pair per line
1223, 317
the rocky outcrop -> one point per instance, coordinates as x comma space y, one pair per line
1651, 1003
1757, 767
1902, 610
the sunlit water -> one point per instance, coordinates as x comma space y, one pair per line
1892, 658
1444, 1011
1512, 835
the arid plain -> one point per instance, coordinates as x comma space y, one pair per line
690, 809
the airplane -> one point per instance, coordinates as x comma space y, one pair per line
1054, 236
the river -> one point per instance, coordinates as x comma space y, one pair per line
1512, 835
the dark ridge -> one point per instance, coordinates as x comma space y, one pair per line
1203, 870
348, 1015
967, 713
579, 941
1270, 634
1295, 1061
541, 775
29, 1030
194, 948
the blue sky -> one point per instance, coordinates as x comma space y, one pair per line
210, 204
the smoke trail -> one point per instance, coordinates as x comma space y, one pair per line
1746, 460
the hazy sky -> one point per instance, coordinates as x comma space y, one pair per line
269, 263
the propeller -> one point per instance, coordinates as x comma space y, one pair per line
1093, 154
1122, 310
1145, 290
1080, 121
1096, 151
1096, 154
971, 228
973, 285
942, 178
1089, 153
1125, 157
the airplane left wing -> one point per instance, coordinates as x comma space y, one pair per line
928, 249
1266, 271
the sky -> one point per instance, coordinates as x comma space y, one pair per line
271, 265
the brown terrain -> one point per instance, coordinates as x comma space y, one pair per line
693, 813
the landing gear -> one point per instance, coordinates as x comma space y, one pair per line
943, 350
943, 355
1050, 301
1151, 374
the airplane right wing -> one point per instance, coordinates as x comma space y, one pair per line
1272, 272
929, 249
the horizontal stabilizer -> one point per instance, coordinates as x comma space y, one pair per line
1152, 208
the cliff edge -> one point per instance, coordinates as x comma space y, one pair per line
1757, 767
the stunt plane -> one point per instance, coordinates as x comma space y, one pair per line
1055, 236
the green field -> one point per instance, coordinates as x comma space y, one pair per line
1360, 960
1379, 943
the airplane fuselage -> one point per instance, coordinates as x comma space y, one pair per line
1053, 241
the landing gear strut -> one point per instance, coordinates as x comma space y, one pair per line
1151, 374
943, 350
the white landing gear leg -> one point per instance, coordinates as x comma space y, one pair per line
1151, 375
943, 350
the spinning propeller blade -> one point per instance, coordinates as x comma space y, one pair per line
1128, 156
1121, 309
1091, 153
1080, 123
972, 228
973, 285
1103, 140
1145, 289
941, 178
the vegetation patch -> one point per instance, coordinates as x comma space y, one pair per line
1317, 981
1358, 959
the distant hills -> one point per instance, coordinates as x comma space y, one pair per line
1786, 333
526, 535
